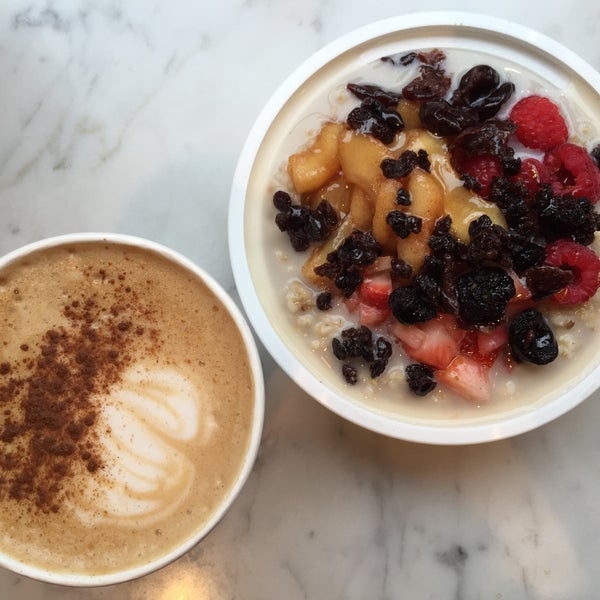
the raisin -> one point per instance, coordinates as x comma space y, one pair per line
409, 306
531, 339
483, 295
324, 301
394, 168
282, 200
441, 118
350, 374
420, 379
338, 348
384, 97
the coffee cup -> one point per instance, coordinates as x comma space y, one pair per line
131, 407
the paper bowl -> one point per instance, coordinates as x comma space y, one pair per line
285, 123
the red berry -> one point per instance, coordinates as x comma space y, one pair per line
483, 168
573, 172
539, 123
533, 174
585, 266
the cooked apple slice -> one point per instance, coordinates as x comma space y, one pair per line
312, 168
360, 157
385, 203
427, 202
361, 210
336, 191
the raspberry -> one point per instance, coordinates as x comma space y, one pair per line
585, 266
482, 168
539, 123
533, 175
573, 172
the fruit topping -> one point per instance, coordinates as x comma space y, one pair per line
584, 265
479, 171
372, 117
540, 125
409, 305
574, 172
420, 379
483, 295
358, 343
531, 339
467, 377
302, 224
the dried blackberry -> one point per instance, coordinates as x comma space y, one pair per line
403, 224
483, 295
566, 217
302, 224
324, 301
428, 288
441, 118
480, 89
410, 306
372, 118
546, 280
470, 182
420, 379
526, 252
403, 197
384, 97
442, 242
531, 339
512, 199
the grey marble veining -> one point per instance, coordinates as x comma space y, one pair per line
129, 117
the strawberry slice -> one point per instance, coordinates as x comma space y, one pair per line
434, 343
585, 265
467, 377
372, 315
484, 346
376, 289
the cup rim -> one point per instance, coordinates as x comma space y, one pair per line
406, 430
83, 580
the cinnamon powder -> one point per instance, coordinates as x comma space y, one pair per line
49, 396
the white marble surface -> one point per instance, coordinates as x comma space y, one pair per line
129, 117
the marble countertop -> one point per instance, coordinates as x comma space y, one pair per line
129, 117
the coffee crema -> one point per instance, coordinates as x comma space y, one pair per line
126, 407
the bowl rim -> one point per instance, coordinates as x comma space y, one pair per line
84, 580
360, 415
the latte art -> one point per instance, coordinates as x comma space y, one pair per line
147, 472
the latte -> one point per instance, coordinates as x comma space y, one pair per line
127, 400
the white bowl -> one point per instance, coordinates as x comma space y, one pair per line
282, 127
77, 579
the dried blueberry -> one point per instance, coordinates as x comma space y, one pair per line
350, 374
483, 295
403, 197
420, 379
531, 339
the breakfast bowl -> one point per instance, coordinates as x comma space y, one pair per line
434, 296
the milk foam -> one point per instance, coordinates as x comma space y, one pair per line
144, 425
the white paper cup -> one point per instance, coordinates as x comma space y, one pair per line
74, 578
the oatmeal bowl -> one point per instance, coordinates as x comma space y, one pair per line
413, 228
